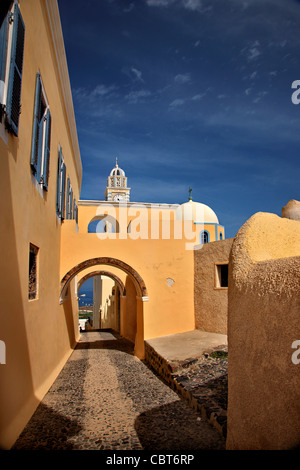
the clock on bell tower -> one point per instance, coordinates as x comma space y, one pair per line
116, 189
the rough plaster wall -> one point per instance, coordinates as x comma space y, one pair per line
211, 304
264, 310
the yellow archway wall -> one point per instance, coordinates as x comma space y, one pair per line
166, 267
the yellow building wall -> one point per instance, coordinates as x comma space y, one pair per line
170, 309
38, 334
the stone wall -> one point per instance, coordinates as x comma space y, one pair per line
211, 302
263, 323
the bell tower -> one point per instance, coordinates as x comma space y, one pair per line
116, 189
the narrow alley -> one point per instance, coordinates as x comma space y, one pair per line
107, 399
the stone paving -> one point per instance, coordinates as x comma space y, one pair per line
107, 399
202, 380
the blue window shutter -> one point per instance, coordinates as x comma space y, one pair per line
63, 191
13, 104
3, 54
40, 149
68, 199
3, 48
58, 199
76, 212
71, 202
45, 175
35, 132
74, 208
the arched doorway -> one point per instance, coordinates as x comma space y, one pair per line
131, 307
104, 293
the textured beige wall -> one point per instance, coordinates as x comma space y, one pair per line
211, 303
264, 308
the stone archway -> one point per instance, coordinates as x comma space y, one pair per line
103, 273
141, 293
104, 261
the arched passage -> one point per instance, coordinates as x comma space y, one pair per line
141, 294
103, 273
105, 261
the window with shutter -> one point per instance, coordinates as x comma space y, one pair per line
63, 192
61, 182
68, 199
41, 135
13, 99
3, 54
58, 190
71, 202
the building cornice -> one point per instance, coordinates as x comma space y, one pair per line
148, 205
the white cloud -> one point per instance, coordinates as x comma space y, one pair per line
193, 5
137, 96
252, 51
159, 3
182, 78
198, 97
102, 90
259, 96
129, 8
137, 73
176, 103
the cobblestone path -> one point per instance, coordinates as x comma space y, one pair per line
106, 398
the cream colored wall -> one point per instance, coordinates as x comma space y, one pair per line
264, 299
38, 334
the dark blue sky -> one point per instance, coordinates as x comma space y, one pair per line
188, 93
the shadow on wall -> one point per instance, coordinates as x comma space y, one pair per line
130, 326
70, 307
16, 389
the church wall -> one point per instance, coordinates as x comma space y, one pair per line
39, 334
211, 300
263, 324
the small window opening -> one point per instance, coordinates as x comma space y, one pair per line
32, 285
221, 275
204, 237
